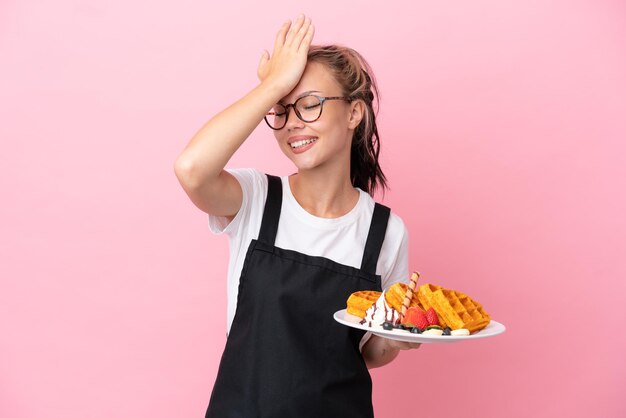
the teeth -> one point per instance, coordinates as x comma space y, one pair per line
302, 143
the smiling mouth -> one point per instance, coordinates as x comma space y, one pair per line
299, 144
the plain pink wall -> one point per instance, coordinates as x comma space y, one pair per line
503, 128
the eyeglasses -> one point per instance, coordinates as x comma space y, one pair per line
308, 109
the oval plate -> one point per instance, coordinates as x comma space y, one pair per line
494, 328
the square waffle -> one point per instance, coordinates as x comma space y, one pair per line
360, 301
395, 296
454, 309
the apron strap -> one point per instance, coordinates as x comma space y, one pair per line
271, 213
271, 216
375, 238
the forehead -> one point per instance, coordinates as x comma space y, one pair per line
316, 77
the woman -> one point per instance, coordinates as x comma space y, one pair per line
300, 244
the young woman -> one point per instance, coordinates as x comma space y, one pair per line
299, 244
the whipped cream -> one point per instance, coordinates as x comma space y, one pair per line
380, 312
433, 331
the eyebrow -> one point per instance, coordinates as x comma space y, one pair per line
302, 95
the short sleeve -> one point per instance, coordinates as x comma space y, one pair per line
398, 270
397, 266
253, 184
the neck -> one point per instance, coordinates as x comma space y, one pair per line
324, 194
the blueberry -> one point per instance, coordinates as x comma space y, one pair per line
387, 326
446, 331
416, 330
398, 326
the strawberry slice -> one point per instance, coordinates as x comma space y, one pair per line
416, 316
409, 317
431, 317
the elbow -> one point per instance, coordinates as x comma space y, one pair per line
185, 172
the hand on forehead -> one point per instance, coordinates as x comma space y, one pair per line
316, 79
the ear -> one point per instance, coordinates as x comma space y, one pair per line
357, 111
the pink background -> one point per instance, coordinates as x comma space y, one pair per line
503, 127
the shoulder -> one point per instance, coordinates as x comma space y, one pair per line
249, 178
396, 237
254, 190
254, 186
393, 263
395, 225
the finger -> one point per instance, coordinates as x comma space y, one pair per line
294, 30
308, 38
264, 58
299, 36
280, 36
410, 346
405, 345
400, 345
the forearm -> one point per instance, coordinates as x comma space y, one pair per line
214, 144
378, 351
200, 166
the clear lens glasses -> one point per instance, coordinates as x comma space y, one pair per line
307, 108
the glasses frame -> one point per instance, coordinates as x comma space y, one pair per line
322, 99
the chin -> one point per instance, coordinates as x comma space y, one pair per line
304, 165
302, 161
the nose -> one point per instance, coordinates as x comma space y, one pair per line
293, 121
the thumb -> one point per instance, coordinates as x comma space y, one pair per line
265, 56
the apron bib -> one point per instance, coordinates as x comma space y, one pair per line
285, 355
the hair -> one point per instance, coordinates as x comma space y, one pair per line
357, 81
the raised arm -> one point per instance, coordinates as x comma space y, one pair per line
200, 167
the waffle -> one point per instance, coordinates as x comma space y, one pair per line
395, 296
360, 301
454, 309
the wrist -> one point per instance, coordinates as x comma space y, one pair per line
273, 89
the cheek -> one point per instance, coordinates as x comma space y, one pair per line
282, 145
336, 128
332, 122
341, 122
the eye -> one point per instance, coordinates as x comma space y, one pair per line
308, 103
279, 110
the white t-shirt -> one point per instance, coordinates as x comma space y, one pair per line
339, 239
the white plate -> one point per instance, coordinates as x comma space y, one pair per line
494, 328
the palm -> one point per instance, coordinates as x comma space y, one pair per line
288, 60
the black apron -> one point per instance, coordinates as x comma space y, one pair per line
285, 355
